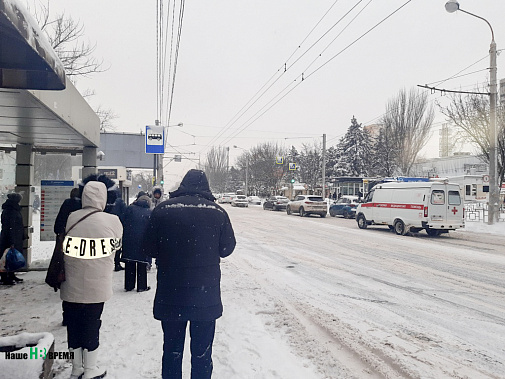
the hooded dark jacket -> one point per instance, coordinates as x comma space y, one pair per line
69, 205
189, 234
12, 224
135, 221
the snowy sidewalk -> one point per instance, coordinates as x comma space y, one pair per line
131, 339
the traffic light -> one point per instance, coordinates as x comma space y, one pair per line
292, 180
162, 182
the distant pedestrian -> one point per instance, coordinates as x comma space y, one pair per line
135, 222
89, 247
189, 234
157, 196
334, 196
12, 234
36, 203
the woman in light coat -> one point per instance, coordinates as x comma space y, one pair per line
89, 250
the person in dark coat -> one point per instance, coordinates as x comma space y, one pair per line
135, 222
12, 234
189, 234
69, 205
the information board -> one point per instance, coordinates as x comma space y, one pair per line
52, 194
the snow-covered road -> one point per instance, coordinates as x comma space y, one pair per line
388, 305
315, 298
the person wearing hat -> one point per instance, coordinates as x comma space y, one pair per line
188, 234
12, 234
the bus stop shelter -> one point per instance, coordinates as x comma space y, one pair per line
40, 109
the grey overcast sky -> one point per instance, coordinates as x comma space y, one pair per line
230, 48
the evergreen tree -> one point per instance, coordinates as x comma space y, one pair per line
331, 161
383, 162
354, 152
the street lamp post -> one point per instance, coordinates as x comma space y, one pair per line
246, 169
453, 6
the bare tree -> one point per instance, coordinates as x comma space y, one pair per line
265, 173
216, 168
470, 113
66, 38
407, 122
106, 116
311, 164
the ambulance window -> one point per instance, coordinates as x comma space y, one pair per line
438, 197
369, 197
454, 198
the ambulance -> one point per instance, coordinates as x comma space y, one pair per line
436, 207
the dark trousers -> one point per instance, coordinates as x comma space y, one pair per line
132, 269
202, 337
117, 257
7, 277
83, 324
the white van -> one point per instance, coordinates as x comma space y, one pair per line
436, 207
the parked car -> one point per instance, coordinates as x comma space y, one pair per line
225, 198
434, 206
345, 206
305, 205
254, 200
276, 203
239, 201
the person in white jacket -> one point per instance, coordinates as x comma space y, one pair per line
89, 248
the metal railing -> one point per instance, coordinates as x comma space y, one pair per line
478, 212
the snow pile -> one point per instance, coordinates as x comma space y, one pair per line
25, 368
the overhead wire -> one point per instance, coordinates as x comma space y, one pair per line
303, 78
283, 69
176, 58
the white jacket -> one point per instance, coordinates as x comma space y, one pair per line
89, 249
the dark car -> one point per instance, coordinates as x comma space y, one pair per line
345, 206
276, 203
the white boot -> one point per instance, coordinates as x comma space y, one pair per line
91, 370
77, 367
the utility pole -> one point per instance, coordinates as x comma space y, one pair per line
158, 173
324, 166
494, 194
227, 168
247, 174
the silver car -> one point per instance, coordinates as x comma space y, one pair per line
308, 204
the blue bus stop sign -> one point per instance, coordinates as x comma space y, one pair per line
155, 139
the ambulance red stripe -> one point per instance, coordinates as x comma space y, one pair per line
392, 205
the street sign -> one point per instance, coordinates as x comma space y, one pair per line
292, 166
279, 160
155, 139
111, 173
485, 178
